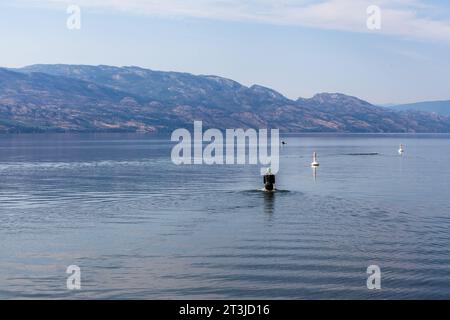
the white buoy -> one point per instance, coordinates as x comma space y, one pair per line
315, 163
401, 150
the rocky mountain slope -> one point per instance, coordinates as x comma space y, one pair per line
71, 98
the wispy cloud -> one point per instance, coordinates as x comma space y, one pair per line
412, 19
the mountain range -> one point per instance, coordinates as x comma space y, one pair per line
439, 107
80, 98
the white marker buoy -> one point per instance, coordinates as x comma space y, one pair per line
315, 163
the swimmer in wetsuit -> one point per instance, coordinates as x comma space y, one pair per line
269, 180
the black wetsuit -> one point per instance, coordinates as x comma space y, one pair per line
269, 181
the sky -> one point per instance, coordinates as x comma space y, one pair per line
297, 47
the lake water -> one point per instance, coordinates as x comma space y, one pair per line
140, 227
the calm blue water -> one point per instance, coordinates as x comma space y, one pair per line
140, 227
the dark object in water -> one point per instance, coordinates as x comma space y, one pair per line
283, 142
269, 181
363, 154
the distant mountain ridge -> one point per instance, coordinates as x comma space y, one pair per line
439, 107
80, 98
